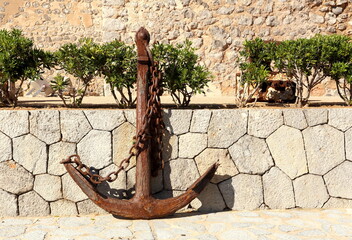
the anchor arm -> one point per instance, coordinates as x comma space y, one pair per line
138, 208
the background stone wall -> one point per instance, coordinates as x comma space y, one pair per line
269, 158
217, 27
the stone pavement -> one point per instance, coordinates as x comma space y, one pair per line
293, 224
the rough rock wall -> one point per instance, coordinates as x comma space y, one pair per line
217, 27
272, 158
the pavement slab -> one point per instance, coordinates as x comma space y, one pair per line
294, 224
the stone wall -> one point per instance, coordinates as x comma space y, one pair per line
270, 158
217, 27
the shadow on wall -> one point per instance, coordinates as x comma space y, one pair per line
178, 174
106, 189
211, 199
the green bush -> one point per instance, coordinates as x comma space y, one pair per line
309, 61
119, 68
83, 61
255, 65
339, 54
183, 77
20, 60
259, 52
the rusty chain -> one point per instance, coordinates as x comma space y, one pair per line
152, 125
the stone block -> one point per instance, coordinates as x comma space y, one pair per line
122, 141
45, 125
340, 118
316, 18
324, 148
131, 179
191, 144
278, 190
205, 14
179, 174
170, 146
263, 122
209, 200
58, 152
242, 192
70, 189
13, 231
95, 149
225, 10
106, 120
31, 204
109, 12
5, 148
251, 155
8, 206
130, 115
88, 207
295, 118
177, 121
316, 116
74, 125
14, 123
226, 127
116, 3
116, 188
338, 181
110, 36
271, 21
200, 121
48, 187
287, 148
259, 21
156, 182
31, 153
14, 178
112, 24
348, 144
338, 203
169, 194
63, 208
245, 20
209, 156
310, 191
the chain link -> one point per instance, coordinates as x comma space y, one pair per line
152, 126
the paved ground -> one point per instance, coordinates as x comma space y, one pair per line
243, 225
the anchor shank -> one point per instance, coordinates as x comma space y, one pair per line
143, 165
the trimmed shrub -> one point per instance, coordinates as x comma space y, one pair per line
183, 77
119, 68
255, 65
83, 61
339, 67
20, 60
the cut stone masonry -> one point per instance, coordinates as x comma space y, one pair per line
302, 160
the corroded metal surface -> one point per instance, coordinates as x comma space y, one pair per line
147, 149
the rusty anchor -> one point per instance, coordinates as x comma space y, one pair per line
142, 205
